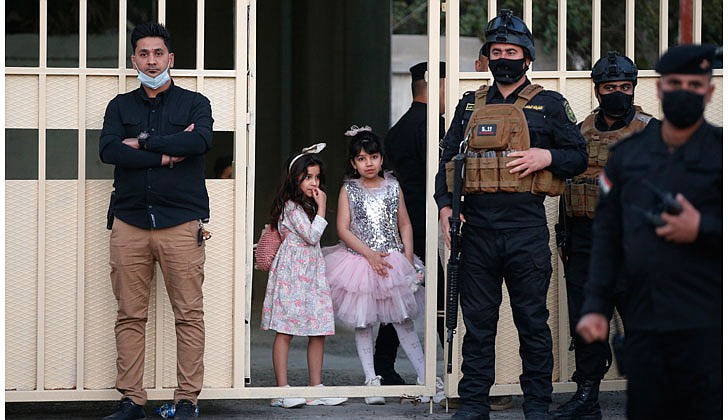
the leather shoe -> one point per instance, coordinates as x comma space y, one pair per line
128, 410
185, 410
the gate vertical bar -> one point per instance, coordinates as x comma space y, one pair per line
596, 30
42, 121
244, 184
81, 197
663, 25
697, 21
629, 36
433, 130
452, 83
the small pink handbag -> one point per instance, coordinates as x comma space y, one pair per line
267, 247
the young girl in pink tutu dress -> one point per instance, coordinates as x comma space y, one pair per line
298, 300
372, 274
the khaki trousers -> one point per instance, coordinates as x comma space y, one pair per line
133, 252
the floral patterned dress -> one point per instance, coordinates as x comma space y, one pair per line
298, 299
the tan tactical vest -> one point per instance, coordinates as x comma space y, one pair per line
493, 131
582, 192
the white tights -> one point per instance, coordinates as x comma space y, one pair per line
408, 341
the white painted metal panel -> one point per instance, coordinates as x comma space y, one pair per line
221, 93
21, 101
62, 102
99, 91
99, 302
21, 288
60, 298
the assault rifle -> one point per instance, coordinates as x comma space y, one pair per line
453, 264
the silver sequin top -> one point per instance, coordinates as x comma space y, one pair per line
373, 213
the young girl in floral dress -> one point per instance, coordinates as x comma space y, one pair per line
298, 300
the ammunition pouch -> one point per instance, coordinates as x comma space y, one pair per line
490, 174
581, 195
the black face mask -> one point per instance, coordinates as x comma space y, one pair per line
507, 71
616, 104
682, 108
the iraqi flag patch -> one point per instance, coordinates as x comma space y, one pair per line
605, 185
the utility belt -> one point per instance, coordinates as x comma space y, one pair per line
486, 172
582, 194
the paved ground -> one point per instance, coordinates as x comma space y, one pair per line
355, 409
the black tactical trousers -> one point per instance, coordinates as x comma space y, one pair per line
387, 343
674, 374
521, 257
592, 360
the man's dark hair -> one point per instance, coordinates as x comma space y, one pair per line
152, 29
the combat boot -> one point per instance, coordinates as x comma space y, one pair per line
583, 405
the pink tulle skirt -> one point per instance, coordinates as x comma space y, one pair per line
362, 298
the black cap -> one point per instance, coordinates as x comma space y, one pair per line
687, 59
418, 70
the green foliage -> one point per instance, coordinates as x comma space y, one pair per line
410, 17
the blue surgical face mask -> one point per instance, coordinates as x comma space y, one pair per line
156, 82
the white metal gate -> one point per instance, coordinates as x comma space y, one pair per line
59, 308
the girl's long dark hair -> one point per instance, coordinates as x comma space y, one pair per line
290, 188
369, 143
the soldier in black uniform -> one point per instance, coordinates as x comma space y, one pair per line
659, 226
406, 146
505, 233
615, 78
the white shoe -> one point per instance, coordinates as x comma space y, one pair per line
288, 402
439, 391
327, 401
375, 381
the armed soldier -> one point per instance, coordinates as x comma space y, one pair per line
520, 143
615, 78
659, 226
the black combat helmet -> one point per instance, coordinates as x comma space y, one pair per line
613, 67
510, 29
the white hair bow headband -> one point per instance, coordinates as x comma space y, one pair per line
354, 130
310, 150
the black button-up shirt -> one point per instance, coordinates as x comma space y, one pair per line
669, 286
549, 128
147, 194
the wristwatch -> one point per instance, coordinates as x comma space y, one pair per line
142, 139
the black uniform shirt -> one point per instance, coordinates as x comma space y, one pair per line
406, 152
149, 195
669, 286
601, 124
551, 126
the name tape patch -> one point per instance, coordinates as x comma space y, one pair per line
487, 129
